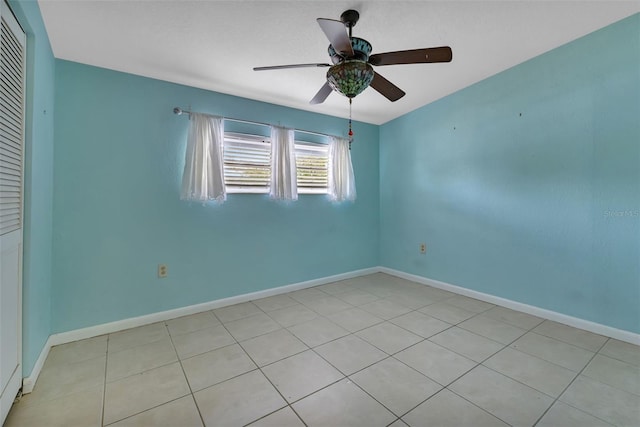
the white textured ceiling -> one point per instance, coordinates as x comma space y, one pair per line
215, 44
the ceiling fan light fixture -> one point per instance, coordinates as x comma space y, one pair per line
350, 77
352, 71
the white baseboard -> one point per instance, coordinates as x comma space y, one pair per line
29, 382
576, 322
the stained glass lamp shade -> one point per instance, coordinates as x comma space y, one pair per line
350, 77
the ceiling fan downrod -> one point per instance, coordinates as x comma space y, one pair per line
350, 18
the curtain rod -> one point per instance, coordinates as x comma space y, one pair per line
179, 111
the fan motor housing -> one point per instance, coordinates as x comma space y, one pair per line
361, 51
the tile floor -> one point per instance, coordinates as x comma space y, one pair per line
371, 351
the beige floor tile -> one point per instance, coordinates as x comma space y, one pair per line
202, 341
252, 326
68, 378
561, 415
78, 351
448, 313
370, 281
420, 324
385, 309
354, 319
285, 417
466, 343
275, 302
378, 278
180, 412
194, 322
414, 300
300, 375
408, 284
537, 373
554, 351
436, 362
140, 358
337, 288
350, 354
357, 297
327, 305
614, 373
437, 294
79, 409
512, 402
216, 366
492, 329
237, 311
317, 331
238, 401
469, 304
305, 295
138, 393
602, 401
623, 351
382, 290
293, 315
448, 409
578, 337
395, 385
342, 404
389, 337
514, 318
137, 336
274, 346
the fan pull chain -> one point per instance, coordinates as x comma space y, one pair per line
350, 131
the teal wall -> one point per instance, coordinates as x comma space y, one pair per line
512, 182
119, 156
38, 185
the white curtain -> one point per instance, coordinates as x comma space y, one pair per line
342, 182
203, 176
283, 165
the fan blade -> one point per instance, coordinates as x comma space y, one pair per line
322, 94
415, 56
282, 67
337, 34
386, 88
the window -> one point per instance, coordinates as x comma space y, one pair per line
247, 164
312, 167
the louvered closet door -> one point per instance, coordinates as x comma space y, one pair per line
12, 60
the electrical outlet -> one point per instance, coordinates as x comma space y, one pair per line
423, 248
162, 271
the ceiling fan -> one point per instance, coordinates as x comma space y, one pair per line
352, 70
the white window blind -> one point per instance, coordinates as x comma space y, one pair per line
247, 163
11, 129
311, 162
